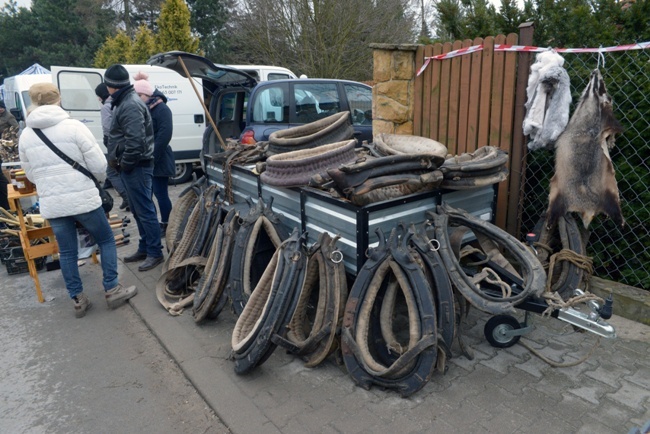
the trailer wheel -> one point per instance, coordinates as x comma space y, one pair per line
496, 330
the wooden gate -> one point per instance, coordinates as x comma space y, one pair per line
474, 100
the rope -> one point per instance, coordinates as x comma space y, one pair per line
506, 290
580, 261
554, 301
557, 364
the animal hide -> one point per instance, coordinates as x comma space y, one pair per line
584, 179
549, 98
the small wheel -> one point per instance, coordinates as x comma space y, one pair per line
496, 330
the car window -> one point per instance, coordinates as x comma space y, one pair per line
360, 102
277, 76
227, 109
315, 101
271, 104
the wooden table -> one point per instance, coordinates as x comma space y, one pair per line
28, 234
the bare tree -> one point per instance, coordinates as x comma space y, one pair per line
320, 38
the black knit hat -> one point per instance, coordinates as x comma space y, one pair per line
2, 105
116, 76
102, 91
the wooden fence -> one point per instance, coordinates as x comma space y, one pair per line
475, 100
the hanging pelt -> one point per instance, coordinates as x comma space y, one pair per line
584, 179
549, 98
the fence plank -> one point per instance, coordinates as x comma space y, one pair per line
454, 95
518, 155
434, 95
463, 98
496, 97
474, 98
418, 91
426, 94
507, 127
486, 89
445, 77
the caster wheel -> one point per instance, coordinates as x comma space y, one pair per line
497, 328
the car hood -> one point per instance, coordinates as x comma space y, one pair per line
200, 67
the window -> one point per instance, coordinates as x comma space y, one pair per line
271, 104
360, 101
277, 76
315, 101
78, 90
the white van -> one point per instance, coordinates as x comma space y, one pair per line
16, 93
266, 72
77, 86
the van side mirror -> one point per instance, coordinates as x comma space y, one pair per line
18, 114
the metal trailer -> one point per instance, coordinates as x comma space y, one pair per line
314, 212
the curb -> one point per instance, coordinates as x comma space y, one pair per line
629, 302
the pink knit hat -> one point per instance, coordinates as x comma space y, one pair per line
142, 85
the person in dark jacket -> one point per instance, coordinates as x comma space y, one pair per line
112, 177
7, 120
131, 143
163, 167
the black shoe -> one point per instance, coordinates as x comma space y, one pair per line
124, 205
107, 184
136, 257
150, 263
163, 229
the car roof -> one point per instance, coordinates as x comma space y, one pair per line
310, 80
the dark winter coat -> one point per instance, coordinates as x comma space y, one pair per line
7, 120
163, 126
131, 135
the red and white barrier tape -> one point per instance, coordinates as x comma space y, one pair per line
531, 49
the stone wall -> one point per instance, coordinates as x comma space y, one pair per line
393, 98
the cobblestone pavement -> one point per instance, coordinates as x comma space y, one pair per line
500, 391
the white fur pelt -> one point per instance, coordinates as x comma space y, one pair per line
549, 98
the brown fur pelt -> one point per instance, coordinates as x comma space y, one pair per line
584, 179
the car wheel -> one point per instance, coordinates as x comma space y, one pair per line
183, 173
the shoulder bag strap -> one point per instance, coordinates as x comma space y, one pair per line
63, 156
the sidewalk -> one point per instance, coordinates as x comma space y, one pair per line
500, 391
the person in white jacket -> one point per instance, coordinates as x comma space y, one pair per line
68, 197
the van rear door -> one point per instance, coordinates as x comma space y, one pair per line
77, 87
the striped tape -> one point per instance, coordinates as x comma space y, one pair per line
531, 49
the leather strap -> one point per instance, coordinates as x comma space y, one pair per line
64, 157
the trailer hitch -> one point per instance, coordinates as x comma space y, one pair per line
594, 321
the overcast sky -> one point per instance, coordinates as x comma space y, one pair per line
23, 3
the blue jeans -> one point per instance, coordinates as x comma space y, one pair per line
161, 191
138, 188
116, 180
65, 233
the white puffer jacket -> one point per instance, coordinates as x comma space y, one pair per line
62, 190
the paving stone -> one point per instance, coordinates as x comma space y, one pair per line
533, 366
591, 426
501, 363
465, 414
504, 420
289, 408
590, 393
641, 377
361, 421
492, 396
607, 373
613, 415
630, 395
542, 423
